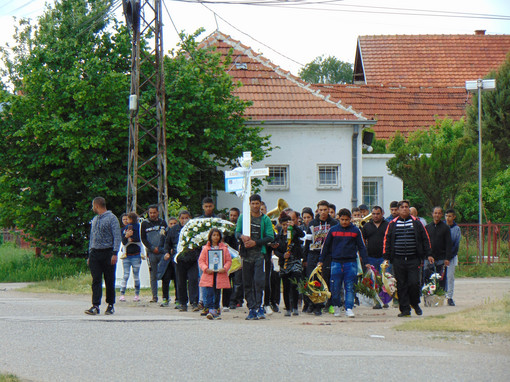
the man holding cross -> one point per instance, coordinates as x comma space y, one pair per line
252, 250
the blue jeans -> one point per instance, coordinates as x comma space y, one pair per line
346, 273
135, 262
212, 295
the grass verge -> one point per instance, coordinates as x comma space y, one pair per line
483, 270
21, 265
491, 317
8, 378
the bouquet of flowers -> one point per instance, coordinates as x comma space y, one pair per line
196, 231
389, 285
432, 288
370, 285
315, 288
432, 293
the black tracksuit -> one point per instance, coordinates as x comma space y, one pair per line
406, 244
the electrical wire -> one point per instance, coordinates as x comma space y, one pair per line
253, 38
309, 5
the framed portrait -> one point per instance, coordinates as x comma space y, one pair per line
215, 259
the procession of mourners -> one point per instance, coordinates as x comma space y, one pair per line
320, 258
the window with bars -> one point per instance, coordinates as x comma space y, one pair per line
329, 176
278, 177
372, 192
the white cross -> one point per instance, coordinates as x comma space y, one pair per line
243, 189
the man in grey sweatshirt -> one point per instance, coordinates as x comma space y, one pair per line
103, 247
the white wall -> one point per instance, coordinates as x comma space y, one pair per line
374, 166
302, 147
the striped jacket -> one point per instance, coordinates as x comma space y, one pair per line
421, 236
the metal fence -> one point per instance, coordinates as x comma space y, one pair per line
495, 243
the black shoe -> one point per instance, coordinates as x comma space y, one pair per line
232, 306
405, 314
154, 300
377, 306
92, 311
310, 309
275, 308
183, 308
417, 310
451, 302
196, 308
110, 309
318, 312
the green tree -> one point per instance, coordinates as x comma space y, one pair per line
63, 133
495, 113
495, 196
329, 70
435, 165
205, 123
64, 128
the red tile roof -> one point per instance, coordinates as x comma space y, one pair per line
276, 94
428, 60
397, 108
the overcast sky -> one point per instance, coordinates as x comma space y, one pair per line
324, 28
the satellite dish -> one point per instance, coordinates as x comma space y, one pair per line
132, 13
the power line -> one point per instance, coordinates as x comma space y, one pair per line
253, 38
309, 5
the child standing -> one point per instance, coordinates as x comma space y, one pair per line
213, 281
131, 241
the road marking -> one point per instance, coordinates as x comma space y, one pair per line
372, 353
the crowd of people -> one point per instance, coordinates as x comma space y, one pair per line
275, 254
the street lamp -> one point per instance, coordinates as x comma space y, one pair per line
472, 86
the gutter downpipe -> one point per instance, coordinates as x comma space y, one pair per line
355, 136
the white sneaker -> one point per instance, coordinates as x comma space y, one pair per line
225, 309
269, 310
338, 311
349, 313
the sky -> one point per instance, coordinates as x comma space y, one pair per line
291, 33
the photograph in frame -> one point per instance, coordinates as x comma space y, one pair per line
215, 259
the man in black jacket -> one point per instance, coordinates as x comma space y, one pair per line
406, 244
441, 242
152, 233
373, 235
170, 250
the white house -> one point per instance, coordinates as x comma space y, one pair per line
318, 141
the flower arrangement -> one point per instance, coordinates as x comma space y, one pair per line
432, 288
194, 234
315, 288
370, 285
379, 287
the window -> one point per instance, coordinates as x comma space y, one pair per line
372, 192
278, 177
329, 176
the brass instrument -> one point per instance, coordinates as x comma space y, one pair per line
275, 213
361, 222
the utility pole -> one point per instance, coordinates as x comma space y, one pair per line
147, 164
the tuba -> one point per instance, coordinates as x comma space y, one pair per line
274, 213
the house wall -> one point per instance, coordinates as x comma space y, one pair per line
392, 188
302, 148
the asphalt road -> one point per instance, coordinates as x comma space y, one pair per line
48, 338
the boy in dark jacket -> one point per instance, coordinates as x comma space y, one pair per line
342, 244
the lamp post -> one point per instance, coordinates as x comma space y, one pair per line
479, 86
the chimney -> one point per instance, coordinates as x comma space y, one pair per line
480, 32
